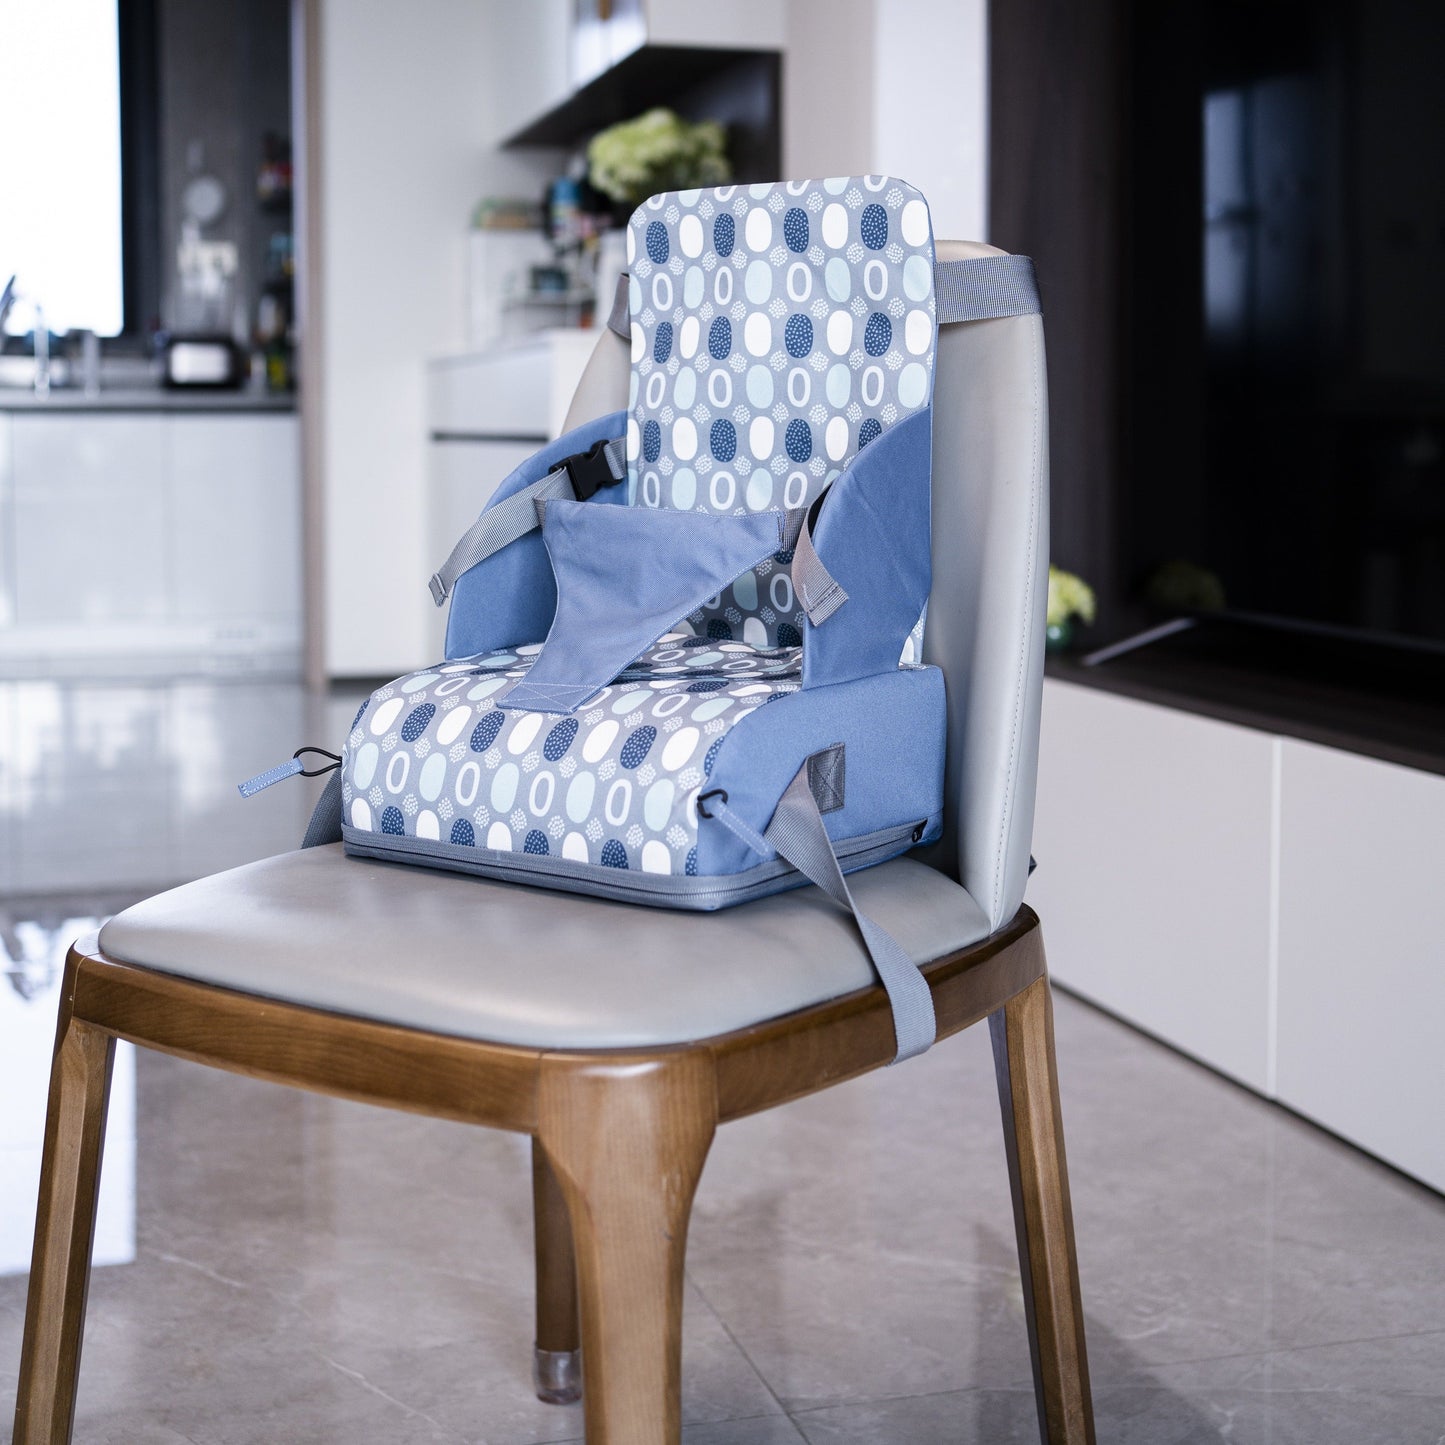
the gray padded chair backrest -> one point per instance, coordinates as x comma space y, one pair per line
990, 580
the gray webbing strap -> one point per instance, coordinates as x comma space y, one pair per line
797, 835
985, 287
619, 322
513, 518
815, 586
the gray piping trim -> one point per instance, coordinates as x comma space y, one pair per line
983, 288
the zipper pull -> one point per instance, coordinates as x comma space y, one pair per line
291, 768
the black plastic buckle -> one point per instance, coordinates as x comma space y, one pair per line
589, 471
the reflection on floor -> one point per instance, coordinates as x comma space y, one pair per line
314, 1270
108, 792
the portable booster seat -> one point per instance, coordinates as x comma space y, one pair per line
683, 654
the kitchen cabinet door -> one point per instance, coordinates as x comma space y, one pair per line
235, 518
89, 515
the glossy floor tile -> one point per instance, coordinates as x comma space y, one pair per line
311, 1270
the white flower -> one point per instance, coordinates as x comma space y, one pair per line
776, 308
421, 748
374, 797
409, 805
646, 775
855, 253
444, 810
716, 725
605, 769
894, 252
896, 307
889, 414
635, 836
778, 465
893, 360
518, 819
567, 767
777, 361
858, 306
736, 362
895, 199
819, 308
815, 202
388, 742
688, 778
448, 703
632, 720
482, 816
676, 836
556, 827
530, 762
854, 198
775, 203
593, 718
593, 830
817, 361
778, 255
818, 415
492, 758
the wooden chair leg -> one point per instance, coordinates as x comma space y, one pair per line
64, 1232
627, 1143
1028, 1088
556, 1359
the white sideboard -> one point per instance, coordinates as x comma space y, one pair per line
149, 542
1270, 906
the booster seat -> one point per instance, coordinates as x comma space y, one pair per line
683, 655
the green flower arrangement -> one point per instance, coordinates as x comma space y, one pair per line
657, 151
1069, 597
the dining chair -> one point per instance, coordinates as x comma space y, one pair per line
620, 1037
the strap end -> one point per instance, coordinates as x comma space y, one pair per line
439, 590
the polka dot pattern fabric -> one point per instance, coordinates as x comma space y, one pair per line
776, 331
432, 757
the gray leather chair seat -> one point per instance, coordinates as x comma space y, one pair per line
518, 965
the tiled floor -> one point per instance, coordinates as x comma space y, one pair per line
311, 1270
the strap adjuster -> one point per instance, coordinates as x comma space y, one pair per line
590, 471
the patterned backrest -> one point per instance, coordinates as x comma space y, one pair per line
776, 330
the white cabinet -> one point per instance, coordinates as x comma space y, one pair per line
1152, 834
145, 542
1270, 906
1362, 952
235, 520
90, 519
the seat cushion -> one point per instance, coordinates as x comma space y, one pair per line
431, 756
517, 965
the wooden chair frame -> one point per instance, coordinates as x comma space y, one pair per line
619, 1141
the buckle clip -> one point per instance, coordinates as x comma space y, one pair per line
590, 471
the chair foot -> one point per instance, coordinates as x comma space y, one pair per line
557, 1375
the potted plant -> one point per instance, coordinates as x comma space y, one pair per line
1069, 597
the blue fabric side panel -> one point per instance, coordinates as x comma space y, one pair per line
892, 727
624, 576
873, 536
507, 600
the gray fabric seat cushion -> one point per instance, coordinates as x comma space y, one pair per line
490, 960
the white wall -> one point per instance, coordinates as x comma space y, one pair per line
407, 125
898, 87
930, 118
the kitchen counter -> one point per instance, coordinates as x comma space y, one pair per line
145, 399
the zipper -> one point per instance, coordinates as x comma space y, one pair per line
591, 878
